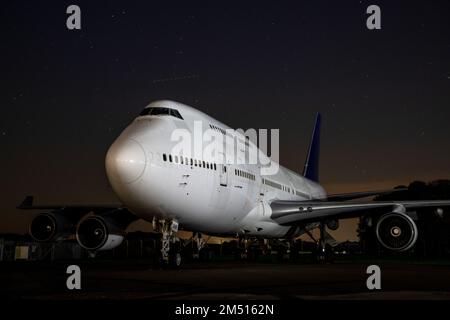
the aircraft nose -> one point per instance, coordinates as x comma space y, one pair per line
125, 161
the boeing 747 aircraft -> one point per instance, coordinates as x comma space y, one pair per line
203, 194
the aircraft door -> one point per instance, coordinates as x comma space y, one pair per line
223, 175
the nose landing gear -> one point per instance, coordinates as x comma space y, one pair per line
170, 243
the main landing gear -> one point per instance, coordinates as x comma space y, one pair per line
200, 243
252, 249
170, 243
325, 252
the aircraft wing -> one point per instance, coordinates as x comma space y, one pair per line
297, 212
27, 204
363, 194
77, 211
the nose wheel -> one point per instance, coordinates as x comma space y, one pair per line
170, 244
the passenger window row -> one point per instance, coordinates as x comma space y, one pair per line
213, 127
244, 174
189, 161
301, 194
277, 185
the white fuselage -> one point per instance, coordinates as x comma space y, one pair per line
205, 196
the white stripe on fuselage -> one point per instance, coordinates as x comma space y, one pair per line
194, 195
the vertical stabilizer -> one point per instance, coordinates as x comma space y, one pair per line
311, 169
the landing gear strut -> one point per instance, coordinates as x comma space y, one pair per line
325, 253
200, 244
242, 248
321, 255
170, 252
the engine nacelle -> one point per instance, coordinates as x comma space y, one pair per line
49, 226
97, 233
396, 231
333, 224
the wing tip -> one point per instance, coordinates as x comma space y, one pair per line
26, 203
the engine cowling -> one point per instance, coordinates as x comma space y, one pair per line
97, 233
49, 226
396, 231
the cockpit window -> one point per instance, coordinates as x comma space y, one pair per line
161, 111
176, 114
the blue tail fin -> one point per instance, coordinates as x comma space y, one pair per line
311, 170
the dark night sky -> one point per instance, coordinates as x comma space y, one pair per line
65, 95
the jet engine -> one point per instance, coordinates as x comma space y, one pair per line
396, 231
50, 226
98, 233
333, 224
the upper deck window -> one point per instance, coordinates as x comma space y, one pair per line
161, 111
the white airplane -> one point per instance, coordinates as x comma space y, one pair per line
203, 195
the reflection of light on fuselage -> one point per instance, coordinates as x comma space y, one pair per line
200, 193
